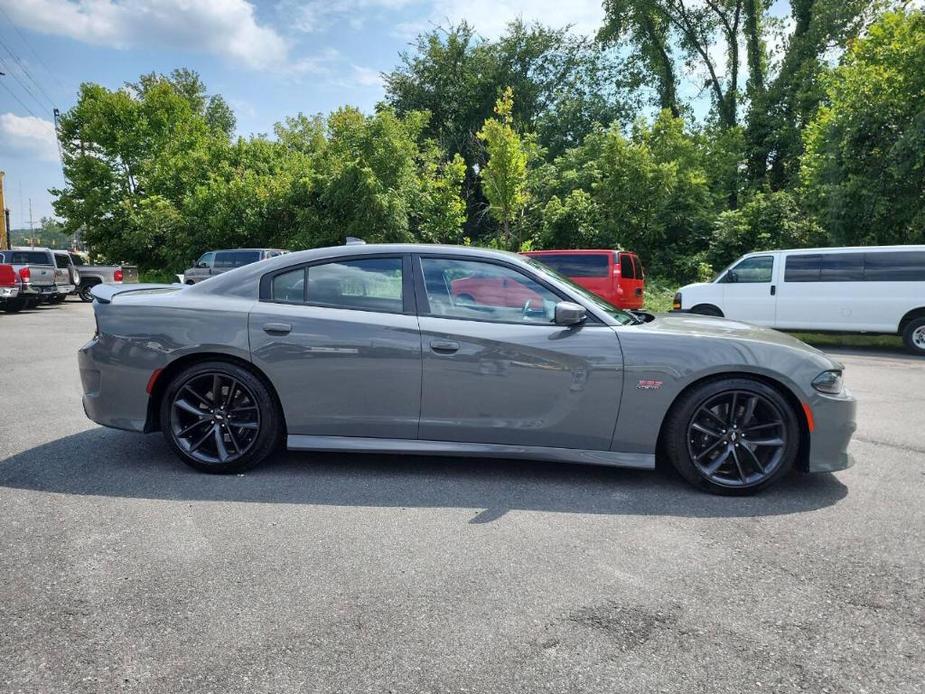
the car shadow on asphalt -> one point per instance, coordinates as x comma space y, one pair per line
104, 462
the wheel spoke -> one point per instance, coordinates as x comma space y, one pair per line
739, 465
731, 415
196, 395
719, 420
232, 390
718, 462
242, 408
220, 444
749, 410
759, 427
755, 460
188, 430
706, 430
246, 425
707, 450
234, 441
198, 444
766, 442
216, 389
189, 408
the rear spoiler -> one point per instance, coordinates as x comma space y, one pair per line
104, 293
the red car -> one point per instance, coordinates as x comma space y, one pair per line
615, 276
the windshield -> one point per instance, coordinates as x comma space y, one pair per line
621, 316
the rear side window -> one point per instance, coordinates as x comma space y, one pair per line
627, 269
899, 266
576, 265
224, 261
62, 261
895, 266
369, 284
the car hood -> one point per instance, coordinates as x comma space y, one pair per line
722, 328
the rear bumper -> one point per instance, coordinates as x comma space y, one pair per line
835, 423
34, 291
65, 288
113, 395
9, 292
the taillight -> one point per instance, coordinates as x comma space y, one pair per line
117, 275
25, 274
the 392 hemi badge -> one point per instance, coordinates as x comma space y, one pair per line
646, 384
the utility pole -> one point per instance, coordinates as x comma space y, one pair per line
5, 222
31, 228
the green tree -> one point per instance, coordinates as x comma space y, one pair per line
504, 175
864, 166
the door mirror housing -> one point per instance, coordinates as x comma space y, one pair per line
202, 265
568, 313
731, 277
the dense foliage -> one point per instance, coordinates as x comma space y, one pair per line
540, 138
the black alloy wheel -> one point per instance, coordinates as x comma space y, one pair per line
733, 436
219, 417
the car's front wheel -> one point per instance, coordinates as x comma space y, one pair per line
219, 417
732, 436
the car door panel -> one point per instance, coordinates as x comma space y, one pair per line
504, 382
753, 297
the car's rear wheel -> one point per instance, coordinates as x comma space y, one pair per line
914, 336
219, 417
732, 436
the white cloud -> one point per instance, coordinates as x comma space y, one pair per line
228, 28
318, 15
491, 17
29, 135
367, 77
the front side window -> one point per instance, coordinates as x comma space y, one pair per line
205, 260
477, 290
751, 270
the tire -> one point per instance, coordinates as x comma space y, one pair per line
745, 467
914, 336
57, 299
14, 305
193, 429
707, 310
84, 292
188, 282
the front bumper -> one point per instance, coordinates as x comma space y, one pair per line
835, 421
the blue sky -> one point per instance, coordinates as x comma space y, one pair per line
268, 58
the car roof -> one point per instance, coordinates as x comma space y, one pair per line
577, 251
840, 249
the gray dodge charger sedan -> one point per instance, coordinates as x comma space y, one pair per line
455, 351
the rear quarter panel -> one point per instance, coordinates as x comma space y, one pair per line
139, 334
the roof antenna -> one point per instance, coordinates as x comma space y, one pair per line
354, 241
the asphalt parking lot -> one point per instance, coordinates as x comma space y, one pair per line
122, 569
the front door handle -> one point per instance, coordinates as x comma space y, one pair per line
444, 346
277, 328
773, 289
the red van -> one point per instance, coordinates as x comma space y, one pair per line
615, 276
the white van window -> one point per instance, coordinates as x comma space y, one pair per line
751, 270
892, 266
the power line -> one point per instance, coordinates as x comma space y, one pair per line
22, 84
29, 75
21, 103
31, 49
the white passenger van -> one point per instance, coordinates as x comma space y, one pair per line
874, 289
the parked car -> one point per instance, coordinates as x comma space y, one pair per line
36, 270
216, 262
615, 276
67, 267
9, 289
368, 349
92, 275
877, 289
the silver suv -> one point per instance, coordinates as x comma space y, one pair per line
217, 262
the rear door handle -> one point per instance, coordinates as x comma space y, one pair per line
444, 346
277, 328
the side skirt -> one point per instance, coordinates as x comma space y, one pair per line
359, 444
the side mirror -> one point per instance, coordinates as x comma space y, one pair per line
731, 277
568, 313
202, 265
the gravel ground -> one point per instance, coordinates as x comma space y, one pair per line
121, 569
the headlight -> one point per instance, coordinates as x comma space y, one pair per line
830, 382
676, 304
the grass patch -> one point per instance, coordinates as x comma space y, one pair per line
157, 277
659, 295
